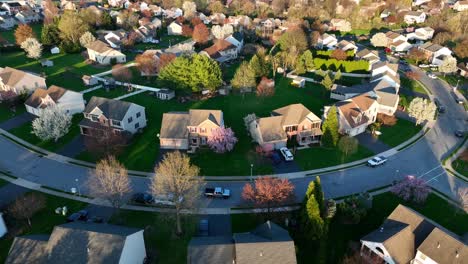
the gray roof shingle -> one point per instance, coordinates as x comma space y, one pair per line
112, 109
207, 250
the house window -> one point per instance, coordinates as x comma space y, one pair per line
115, 123
138, 115
95, 118
304, 127
193, 130
130, 119
202, 130
137, 125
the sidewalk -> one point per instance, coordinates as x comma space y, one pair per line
448, 162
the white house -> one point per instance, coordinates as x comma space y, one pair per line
175, 28
173, 13
115, 38
419, 2
345, 45
372, 56
99, 52
460, 6
386, 71
146, 33
355, 114
81, 242
69, 101
221, 51
413, 17
27, 16
397, 42
120, 116
236, 39
435, 53
16, 81
328, 41
424, 33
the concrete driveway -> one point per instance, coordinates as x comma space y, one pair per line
219, 225
17, 121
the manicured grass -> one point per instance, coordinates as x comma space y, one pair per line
6, 113
3, 183
411, 85
24, 132
112, 93
402, 131
230, 70
344, 80
10, 34
42, 222
162, 244
461, 166
334, 247
319, 157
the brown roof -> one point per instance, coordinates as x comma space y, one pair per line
364, 101
271, 128
392, 35
444, 248
352, 110
174, 125
294, 114
99, 46
198, 116
54, 92
220, 45
11, 76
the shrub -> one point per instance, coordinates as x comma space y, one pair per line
352, 210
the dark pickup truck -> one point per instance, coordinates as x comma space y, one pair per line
217, 192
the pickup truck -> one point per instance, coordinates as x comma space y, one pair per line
217, 192
376, 161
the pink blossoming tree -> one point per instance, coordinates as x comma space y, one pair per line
412, 189
268, 192
222, 140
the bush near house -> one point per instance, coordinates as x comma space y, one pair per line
360, 66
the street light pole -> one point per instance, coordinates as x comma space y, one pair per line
251, 171
78, 186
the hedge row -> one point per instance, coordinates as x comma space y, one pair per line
327, 53
360, 66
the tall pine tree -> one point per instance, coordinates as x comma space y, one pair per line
330, 135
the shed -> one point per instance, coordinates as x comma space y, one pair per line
89, 80
47, 63
55, 50
165, 94
299, 82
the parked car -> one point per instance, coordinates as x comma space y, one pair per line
203, 227
96, 219
217, 192
143, 198
376, 161
431, 75
440, 107
276, 158
460, 133
78, 216
287, 155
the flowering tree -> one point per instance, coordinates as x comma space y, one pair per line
379, 40
268, 192
222, 140
412, 189
32, 47
52, 123
220, 32
86, 39
201, 33
421, 109
190, 8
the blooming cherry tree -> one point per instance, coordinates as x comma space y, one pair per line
412, 189
222, 140
52, 123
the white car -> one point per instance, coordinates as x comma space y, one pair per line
431, 75
288, 156
376, 161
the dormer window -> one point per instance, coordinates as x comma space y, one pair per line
94, 118
115, 123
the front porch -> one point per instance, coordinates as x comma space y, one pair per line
370, 257
307, 137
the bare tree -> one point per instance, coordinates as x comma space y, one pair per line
348, 145
50, 11
121, 73
110, 182
147, 64
26, 206
105, 141
23, 32
177, 180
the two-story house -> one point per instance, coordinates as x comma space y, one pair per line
120, 116
385, 71
408, 237
12, 7
345, 45
294, 122
18, 82
101, 53
69, 101
424, 33
328, 41
175, 28
115, 38
221, 51
372, 56
184, 130
435, 53
339, 24
397, 42
236, 39
27, 16
413, 17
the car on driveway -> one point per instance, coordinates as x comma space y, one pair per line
78, 216
376, 161
276, 158
287, 155
431, 75
143, 198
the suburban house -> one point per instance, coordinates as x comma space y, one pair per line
460, 6
372, 56
345, 45
419, 2
463, 69
338, 24
328, 41
435, 53
236, 39
268, 243
385, 71
408, 237
146, 33
69, 101
80, 242
16, 81
221, 51
355, 114
413, 17
175, 28
99, 52
189, 130
27, 16
184, 47
424, 33
292, 121
101, 113
115, 38
217, 18
7, 22
12, 7
397, 42
173, 12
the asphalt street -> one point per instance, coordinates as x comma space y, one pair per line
421, 159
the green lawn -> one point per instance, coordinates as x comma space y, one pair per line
6, 113
42, 222
3, 183
344, 80
162, 245
10, 34
333, 249
112, 93
24, 132
412, 85
319, 157
461, 166
402, 131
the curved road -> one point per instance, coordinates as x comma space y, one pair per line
422, 160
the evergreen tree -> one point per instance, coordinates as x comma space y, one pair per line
310, 190
318, 192
308, 60
300, 67
337, 75
50, 35
330, 135
244, 77
259, 66
314, 225
327, 82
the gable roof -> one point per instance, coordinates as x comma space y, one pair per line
198, 116
11, 76
380, 64
111, 109
414, 13
294, 114
99, 47
28, 249
432, 47
365, 52
207, 250
444, 248
268, 243
174, 125
55, 93
218, 46
353, 109
392, 35
271, 128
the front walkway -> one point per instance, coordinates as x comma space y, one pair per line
17, 121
